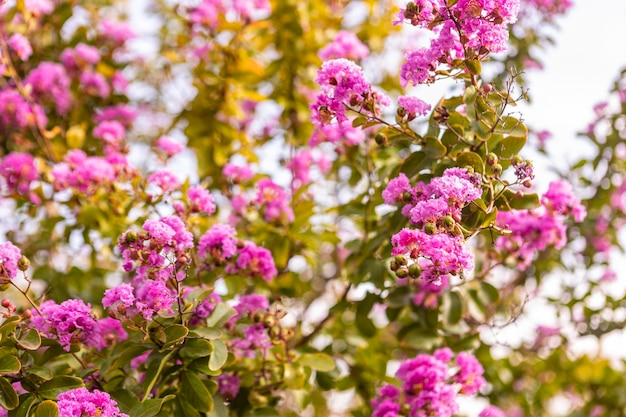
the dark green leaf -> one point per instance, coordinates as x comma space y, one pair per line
8, 396
434, 148
50, 389
195, 392
149, 408
156, 364
413, 164
174, 335
196, 348
9, 365
127, 355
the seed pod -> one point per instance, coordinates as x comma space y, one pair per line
430, 228
415, 270
23, 263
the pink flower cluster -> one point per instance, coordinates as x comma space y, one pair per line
469, 29
433, 203
435, 248
9, 258
81, 402
429, 385
72, 322
273, 201
343, 85
50, 84
209, 12
19, 171
537, 229
219, 247
345, 45
18, 114
253, 333
87, 173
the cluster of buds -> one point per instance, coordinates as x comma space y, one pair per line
524, 170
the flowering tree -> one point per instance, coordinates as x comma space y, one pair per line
220, 208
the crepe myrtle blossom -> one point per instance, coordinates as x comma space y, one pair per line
537, 229
50, 84
69, 322
469, 29
428, 385
21, 46
345, 45
438, 203
10, 261
237, 173
19, 171
81, 402
342, 84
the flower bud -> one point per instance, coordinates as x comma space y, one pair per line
23, 263
491, 159
516, 160
381, 139
487, 88
401, 260
496, 169
393, 265
269, 321
131, 237
415, 270
448, 222
430, 228
6, 303
402, 273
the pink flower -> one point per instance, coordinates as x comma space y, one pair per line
68, 322
21, 46
111, 132
166, 180
50, 82
9, 258
115, 31
345, 45
560, 198
169, 146
273, 201
200, 200
17, 114
256, 261
470, 374
342, 84
228, 385
219, 242
413, 106
237, 173
492, 411
94, 84
80, 402
19, 171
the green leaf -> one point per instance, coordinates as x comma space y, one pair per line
434, 148
195, 392
317, 361
474, 67
219, 355
196, 348
470, 94
509, 146
9, 326
126, 399
26, 404
8, 396
220, 315
149, 408
154, 371
261, 412
174, 335
50, 389
488, 293
128, 355
30, 341
509, 200
206, 333
413, 164
472, 159
453, 307
47, 408
358, 121
9, 365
